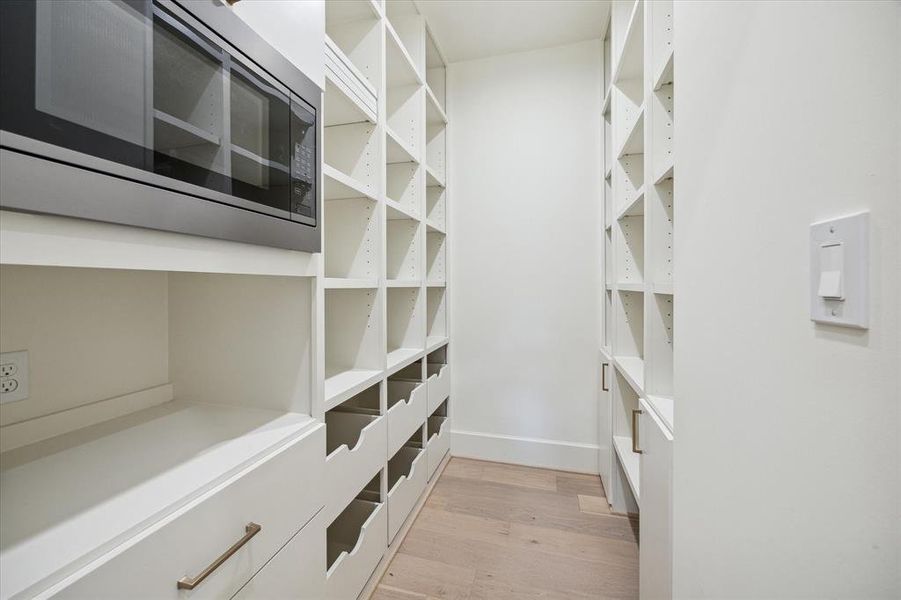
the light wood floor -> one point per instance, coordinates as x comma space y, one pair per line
492, 531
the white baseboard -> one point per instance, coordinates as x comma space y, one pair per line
532, 452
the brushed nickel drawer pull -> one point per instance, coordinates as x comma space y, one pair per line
189, 583
604, 387
635, 413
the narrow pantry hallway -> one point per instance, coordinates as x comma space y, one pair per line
497, 531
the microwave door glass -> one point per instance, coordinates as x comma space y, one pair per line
188, 105
260, 136
78, 70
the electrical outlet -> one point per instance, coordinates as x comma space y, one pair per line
13, 376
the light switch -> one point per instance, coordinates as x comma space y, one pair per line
839, 267
831, 268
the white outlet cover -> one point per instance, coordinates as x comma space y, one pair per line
839, 290
20, 360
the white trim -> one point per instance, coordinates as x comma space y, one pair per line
532, 452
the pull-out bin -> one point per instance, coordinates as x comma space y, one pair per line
406, 481
438, 441
439, 384
407, 411
356, 541
356, 443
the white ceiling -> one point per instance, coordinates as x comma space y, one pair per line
468, 29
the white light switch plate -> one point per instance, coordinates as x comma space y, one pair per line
847, 238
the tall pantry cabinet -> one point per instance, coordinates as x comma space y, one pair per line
637, 395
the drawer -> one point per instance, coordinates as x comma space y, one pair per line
281, 493
406, 481
356, 445
438, 442
357, 540
407, 410
439, 384
296, 572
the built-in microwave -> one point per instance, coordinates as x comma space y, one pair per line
156, 113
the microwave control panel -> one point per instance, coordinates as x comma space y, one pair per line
303, 162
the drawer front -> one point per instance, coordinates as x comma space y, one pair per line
348, 471
346, 578
439, 388
437, 447
280, 493
297, 572
403, 496
405, 417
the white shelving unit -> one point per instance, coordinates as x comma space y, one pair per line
385, 301
638, 298
637, 337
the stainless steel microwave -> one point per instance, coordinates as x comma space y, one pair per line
156, 113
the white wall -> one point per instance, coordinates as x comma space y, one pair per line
524, 189
91, 334
786, 456
296, 29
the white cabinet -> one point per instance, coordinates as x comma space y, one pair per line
605, 432
656, 550
297, 572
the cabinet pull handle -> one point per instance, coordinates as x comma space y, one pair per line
604, 387
635, 413
189, 583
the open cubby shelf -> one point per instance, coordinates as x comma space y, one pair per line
341, 107
436, 313
402, 250
435, 71
436, 213
351, 239
352, 341
629, 251
662, 130
354, 29
352, 150
436, 257
405, 320
404, 187
404, 113
435, 150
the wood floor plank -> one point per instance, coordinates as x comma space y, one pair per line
528, 477
488, 587
420, 575
573, 484
464, 468
521, 505
566, 543
530, 567
489, 531
385, 592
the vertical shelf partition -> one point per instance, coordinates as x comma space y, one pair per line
384, 272
638, 296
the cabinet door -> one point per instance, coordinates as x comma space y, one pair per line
656, 552
605, 421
